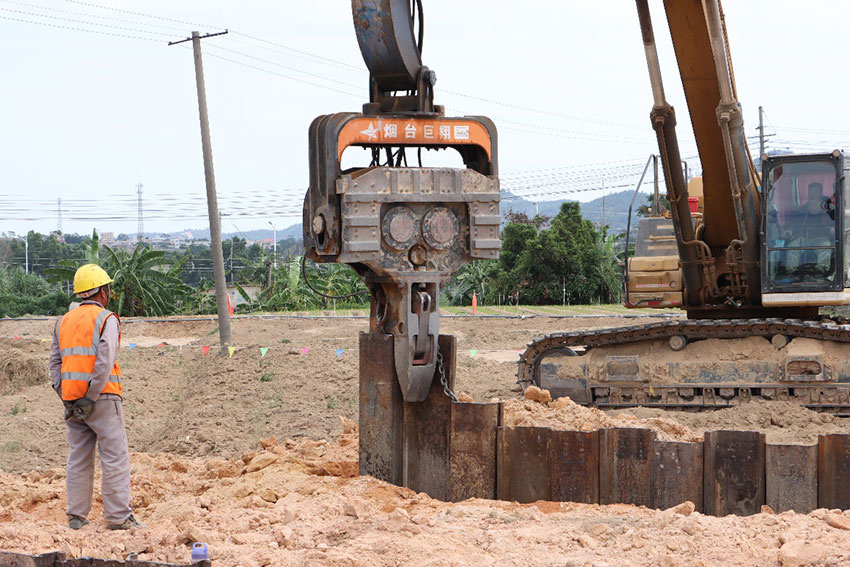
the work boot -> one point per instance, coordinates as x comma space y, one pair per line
130, 522
76, 522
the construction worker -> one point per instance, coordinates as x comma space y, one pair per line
88, 379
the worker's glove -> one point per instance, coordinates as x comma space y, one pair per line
82, 408
69, 410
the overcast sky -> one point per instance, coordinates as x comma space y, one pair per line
85, 116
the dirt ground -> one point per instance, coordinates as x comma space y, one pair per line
206, 469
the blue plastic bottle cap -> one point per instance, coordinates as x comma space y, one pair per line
200, 552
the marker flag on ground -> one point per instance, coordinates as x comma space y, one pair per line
339, 352
16, 338
263, 351
231, 350
160, 345
205, 350
305, 350
131, 346
473, 352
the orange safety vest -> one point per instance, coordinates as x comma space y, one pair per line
79, 333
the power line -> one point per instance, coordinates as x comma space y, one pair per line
86, 14
73, 21
71, 28
163, 18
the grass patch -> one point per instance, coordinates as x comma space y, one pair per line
275, 402
12, 447
18, 408
331, 403
266, 377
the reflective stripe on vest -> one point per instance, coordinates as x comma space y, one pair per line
78, 334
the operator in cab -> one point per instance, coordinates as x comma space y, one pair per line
813, 233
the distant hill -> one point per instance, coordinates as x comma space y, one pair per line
616, 208
616, 215
292, 231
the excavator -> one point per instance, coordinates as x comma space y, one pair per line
751, 257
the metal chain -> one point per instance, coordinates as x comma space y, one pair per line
443, 380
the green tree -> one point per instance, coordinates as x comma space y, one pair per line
478, 277
29, 294
145, 283
570, 261
645, 210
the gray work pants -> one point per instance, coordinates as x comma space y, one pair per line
104, 427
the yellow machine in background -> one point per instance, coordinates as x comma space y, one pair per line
750, 257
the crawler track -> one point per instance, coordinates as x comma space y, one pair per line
823, 395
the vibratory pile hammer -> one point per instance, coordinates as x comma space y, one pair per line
404, 229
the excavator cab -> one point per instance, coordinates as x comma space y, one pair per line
804, 257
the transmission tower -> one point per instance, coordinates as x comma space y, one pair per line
59, 215
141, 234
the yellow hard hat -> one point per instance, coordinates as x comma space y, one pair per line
89, 277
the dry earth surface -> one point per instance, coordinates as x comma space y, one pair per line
207, 465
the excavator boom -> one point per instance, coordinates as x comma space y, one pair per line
751, 267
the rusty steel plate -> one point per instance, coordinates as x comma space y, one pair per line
574, 466
426, 434
381, 410
625, 463
791, 477
834, 471
472, 454
734, 473
522, 469
677, 474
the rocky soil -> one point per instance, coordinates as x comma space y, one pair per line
207, 464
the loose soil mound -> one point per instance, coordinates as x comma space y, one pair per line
563, 413
781, 422
205, 469
20, 368
299, 503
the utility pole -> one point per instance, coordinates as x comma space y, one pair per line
26, 240
761, 132
603, 203
59, 215
656, 196
274, 245
141, 228
212, 202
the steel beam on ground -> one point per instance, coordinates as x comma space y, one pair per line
734, 473
677, 474
57, 559
522, 469
791, 477
574, 466
834, 471
625, 465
